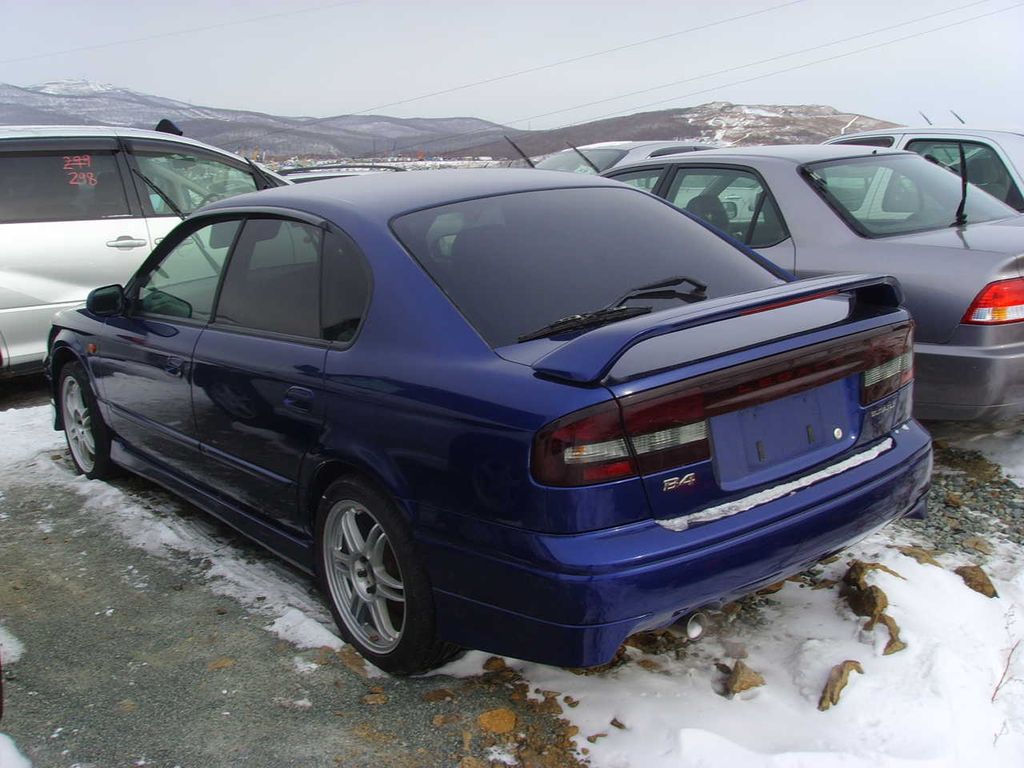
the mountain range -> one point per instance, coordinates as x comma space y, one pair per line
79, 102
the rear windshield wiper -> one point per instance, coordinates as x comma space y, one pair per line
652, 291
585, 320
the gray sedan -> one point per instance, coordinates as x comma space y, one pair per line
825, 209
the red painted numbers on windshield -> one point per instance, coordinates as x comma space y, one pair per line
76, 168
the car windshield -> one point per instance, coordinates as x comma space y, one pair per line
515, 263
885, 195
570, 160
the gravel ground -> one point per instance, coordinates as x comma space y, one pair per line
971, 505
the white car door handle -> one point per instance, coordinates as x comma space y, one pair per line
126, 241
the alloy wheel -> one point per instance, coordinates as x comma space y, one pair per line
363, 576
78, 424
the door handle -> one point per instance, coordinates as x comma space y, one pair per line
174, 366
299, 399
126, 241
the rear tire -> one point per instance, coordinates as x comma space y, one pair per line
374, 581
87, 435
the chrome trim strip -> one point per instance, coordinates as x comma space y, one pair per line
736, 506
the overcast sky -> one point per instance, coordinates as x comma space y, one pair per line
322, 58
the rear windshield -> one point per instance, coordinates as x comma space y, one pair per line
570, 160
514, 263
898, 194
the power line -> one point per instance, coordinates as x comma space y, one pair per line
757, 63
746, 80
531, 70
159, 35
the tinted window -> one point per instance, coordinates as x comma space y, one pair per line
570, 160
734, 201
189, 179
272, 282
984, 168
60, 186
897, 194
868, 141
517, 262
646, 179
184, 283
344, 290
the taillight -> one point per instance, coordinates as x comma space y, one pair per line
892, 366
653, 431
583, 448
999, 302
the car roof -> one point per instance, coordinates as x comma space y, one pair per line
12, 132
963, 130
794, 153
383, 195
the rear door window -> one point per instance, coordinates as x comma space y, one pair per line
184, 283
190, 179
65, 185
272, 283
733, 200
984, 168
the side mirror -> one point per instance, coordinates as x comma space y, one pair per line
106, 301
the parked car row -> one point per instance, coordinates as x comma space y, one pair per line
534, 412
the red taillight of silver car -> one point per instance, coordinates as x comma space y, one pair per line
667, 427
998, 303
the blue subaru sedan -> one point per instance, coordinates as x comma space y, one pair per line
519, 411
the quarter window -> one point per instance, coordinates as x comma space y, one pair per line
734, 201
345, 288
67, 185
272, 282
984, 168
189, 180
646, 179
184, 283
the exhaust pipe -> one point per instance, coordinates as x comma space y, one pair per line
696, 624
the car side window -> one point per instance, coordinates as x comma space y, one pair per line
646, 179
184, 283
984, 168
732, 200
272, 283
190, 180
345, 288
65, 185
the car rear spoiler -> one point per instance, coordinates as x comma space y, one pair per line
590, 356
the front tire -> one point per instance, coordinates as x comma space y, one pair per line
375, 584
86, 433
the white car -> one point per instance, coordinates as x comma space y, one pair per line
995, 159
82, 206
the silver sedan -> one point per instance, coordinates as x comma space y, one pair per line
818, 210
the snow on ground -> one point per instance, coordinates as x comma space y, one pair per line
10, 651
954, 697
1004, 447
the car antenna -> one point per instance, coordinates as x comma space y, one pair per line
961, 217
522, 154
962, 121
585, 158
922, 114
166, 126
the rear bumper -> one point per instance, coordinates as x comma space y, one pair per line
968, 382
572, 600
